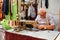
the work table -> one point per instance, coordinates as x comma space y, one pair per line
47, 34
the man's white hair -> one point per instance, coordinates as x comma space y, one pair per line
41, 9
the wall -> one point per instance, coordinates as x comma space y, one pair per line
54, 10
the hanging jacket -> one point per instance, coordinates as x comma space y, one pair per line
5, 7
31, 11
46, 3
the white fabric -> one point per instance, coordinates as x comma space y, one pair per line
31, 11
45, 21
22, 14
1, 26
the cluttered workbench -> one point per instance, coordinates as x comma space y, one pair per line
34, 34
29, 34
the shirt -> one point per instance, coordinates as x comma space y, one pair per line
45, 21
31, 11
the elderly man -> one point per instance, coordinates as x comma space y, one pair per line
44, 20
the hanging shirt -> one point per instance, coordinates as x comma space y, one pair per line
31, 11
5, 6
14, 10
45, 21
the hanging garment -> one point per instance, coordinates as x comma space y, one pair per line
46, 3
41, 3
31, 11
14, 10
5, 7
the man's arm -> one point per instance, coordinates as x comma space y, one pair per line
48, 27
52, 23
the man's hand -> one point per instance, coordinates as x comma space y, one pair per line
41, 27
49, 27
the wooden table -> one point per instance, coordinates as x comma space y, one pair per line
13, 36
31, 35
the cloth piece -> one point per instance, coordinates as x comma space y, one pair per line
5, 24
31, 11
46, 3
5, 7
14, 10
